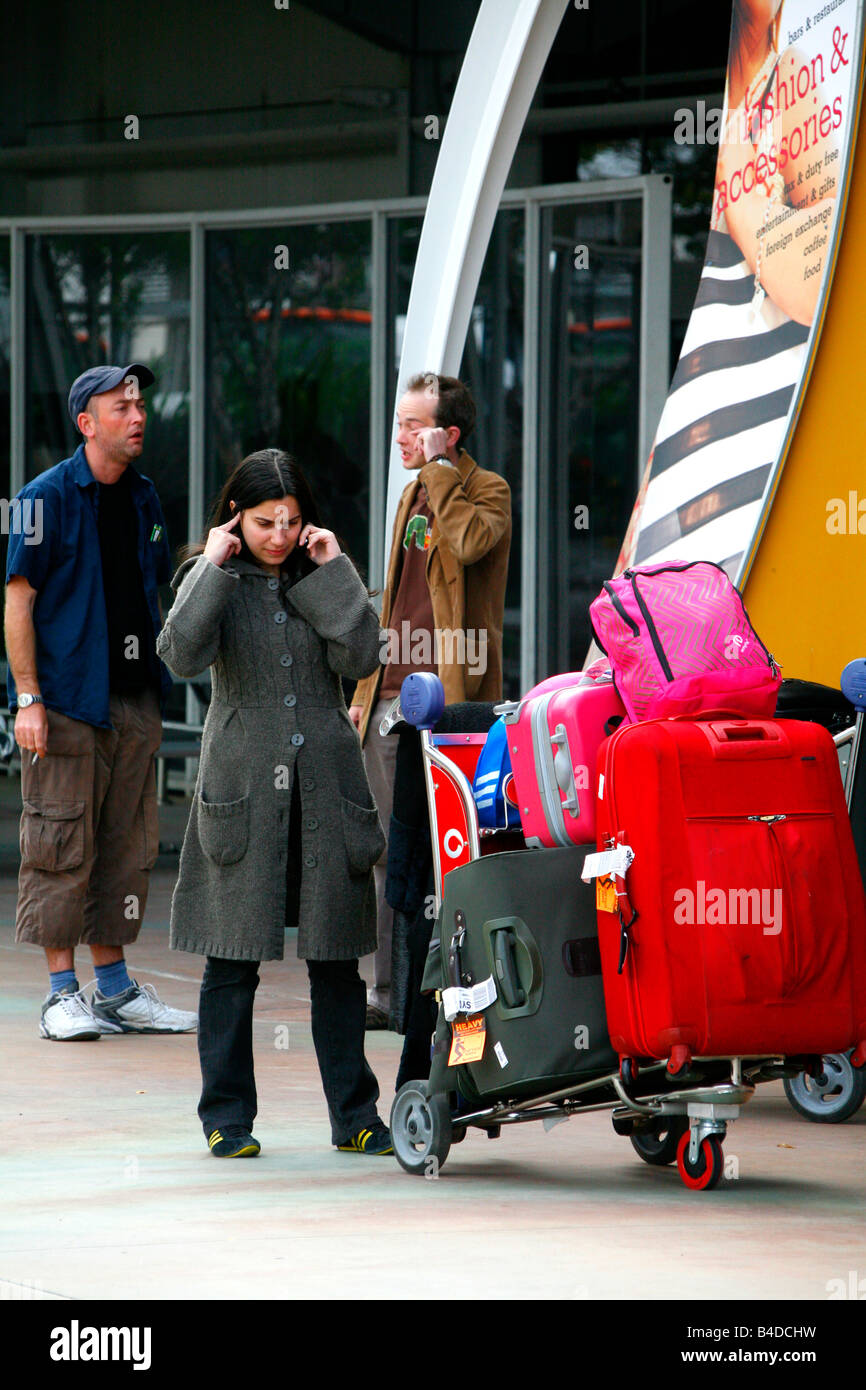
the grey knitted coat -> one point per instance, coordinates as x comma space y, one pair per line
277, 713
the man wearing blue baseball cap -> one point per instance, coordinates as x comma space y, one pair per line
86, 686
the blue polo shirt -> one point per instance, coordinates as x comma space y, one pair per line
60, 558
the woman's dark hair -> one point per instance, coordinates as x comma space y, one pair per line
264, 476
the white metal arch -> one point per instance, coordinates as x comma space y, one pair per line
504, 60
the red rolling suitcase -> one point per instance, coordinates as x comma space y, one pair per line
749, 933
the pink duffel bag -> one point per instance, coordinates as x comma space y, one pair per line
679, 642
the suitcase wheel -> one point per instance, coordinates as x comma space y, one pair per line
628, 1070
658, 1143
420, 1129
678, 1062
831, 1097
706, 1172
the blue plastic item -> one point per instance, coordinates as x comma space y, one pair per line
492, 773
852, 683
422, 699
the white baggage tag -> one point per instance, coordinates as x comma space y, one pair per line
608, 861
471, 999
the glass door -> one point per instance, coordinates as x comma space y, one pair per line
590, 268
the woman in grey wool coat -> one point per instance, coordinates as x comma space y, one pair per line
283, 830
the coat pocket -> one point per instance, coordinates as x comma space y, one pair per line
363, 834
52, 835
224, 829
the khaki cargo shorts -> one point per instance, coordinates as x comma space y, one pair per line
89, 828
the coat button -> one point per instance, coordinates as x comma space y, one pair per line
290, 700
297, 740
287, 659
280, 617
308, 784
309, 861
273, 583
311, 823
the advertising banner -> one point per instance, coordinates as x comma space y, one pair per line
785, 135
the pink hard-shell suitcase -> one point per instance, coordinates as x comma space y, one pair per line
554, 734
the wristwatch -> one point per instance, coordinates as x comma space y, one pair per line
25, 701
441, 458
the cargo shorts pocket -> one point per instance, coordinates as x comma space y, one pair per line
363, 835
52, 835
224, 829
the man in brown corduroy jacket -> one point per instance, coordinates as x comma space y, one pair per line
444, 596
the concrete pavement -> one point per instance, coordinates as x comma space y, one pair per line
108, 1190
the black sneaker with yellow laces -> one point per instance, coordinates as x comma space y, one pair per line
233, 1141
375, 1140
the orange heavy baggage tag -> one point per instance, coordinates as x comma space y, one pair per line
605, 893
468, 1036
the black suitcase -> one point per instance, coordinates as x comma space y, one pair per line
821, 704
526, 919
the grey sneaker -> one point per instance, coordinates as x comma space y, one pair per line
67, 1017
140, 1010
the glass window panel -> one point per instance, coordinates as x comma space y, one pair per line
492, 368
288, 361
96, 298
588, 413
692, 169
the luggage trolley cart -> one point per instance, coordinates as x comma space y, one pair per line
521, 1032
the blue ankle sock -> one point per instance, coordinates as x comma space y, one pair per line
112, 979
62, 979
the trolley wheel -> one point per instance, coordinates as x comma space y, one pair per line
658, 1143
831, 1098
628, 1071
420, 1128
705, 1174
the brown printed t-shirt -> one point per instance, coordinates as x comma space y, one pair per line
412, 605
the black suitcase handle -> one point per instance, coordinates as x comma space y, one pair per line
505, 967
